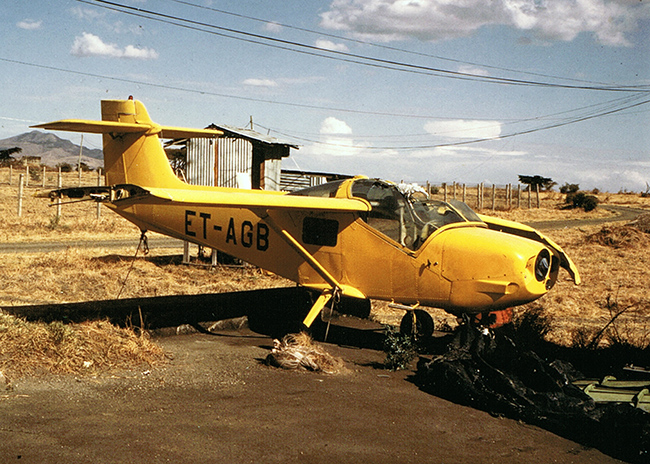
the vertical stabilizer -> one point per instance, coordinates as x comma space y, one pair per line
135, 157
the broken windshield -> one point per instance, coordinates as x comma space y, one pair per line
408, 218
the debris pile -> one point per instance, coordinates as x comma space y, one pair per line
620, 236
486, 370
298, 351
642, 223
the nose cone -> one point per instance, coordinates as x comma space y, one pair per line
493, 270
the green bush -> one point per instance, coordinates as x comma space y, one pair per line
582, 200
400, 349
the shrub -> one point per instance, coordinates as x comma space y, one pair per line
400, 349
582, 200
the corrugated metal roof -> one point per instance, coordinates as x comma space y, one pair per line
251, 135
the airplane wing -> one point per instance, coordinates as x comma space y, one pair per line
215, 196
523, 230
258, 198
112, 127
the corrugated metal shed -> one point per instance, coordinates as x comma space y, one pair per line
292, 180
242, 156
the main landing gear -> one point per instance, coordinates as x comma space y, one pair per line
417, 322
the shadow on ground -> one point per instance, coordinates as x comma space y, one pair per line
492, 374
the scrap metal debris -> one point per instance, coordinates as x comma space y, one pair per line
489, 372
610, 390
298, 351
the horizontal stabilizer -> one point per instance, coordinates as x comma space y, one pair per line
112, 127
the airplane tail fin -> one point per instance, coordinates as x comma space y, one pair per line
133, 153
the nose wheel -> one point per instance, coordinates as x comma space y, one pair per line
418, 323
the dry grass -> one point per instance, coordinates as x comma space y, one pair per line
38, 221
28, 348
612, 262
299, 352
613, 268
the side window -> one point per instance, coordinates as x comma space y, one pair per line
319, 231
390, 214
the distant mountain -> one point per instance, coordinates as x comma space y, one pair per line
52, 149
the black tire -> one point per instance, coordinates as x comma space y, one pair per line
423, 323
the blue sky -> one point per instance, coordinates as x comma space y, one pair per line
416, 90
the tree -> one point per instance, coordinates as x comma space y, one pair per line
544, 183
5, 155
65, 167
569, 188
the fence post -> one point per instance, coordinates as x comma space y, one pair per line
537, 189
21, 181
518, 195
43, 176
444, 189
494, 197
26, 176
464, 193
99, 184
59, 183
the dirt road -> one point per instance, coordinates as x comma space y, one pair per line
217, 402
621, 213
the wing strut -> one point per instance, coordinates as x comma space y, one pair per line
327, 294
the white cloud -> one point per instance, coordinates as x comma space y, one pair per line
607, 20
90, 45
29, 24
464, 129
329, 45
86, 14
333, 126
474, 70
273, 27
260, 82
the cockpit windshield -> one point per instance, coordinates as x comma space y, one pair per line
406, 216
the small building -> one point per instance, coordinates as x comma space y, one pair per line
292, 180
241, 158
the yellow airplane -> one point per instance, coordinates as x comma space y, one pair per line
361, 238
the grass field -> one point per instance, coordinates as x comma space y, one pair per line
612, 259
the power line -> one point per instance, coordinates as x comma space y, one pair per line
339, 55
380, 46
221, 95
468, 142
594, 114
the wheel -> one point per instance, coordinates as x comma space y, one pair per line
423, 323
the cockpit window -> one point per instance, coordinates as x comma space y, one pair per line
465, 210
390, 214
408, 218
